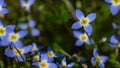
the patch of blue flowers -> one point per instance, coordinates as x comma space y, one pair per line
47, 57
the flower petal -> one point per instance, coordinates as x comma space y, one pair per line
52, 65
12, 27
93, 60
35, 32
44, 57
4, 41
91, 17
77, 34
113, 39
1, 24
101, 65
36, 64
79, 14
89, 42
4, 11
88, 29
27, 48
9, 53
22, 33
78, 43
18, 44
64, 61
114, 9
104, 58
108, 1
23, 26
71, 65
95, 53
21, 58
32, 23
76, 25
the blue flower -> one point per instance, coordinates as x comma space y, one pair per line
98, 59
4, 31
84, 21
3, 9
82, 38
31, 27
52, 54
14, 38
115, 41
65, 65
26, 4
18, 52
44, 62
114, 6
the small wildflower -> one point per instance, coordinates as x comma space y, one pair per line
18, 52
30, 27
82, 38
115, 41
44, 62
84, 21
98, 59
114, 6
26, 4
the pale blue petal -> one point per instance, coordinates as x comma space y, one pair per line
12, 27
32, 23
77, 34
2, 2
71, 65
78, 43
64, 61
101, 65
52, 65
108, 1
89, 42
4, 42
50, 59
1, 24
30, 2
76, 25
95, 53
27, 48
79, 14
21, 58
18, 44
35, 32
104, 58
23, 26
113, 39
88, 29
114, 9
91, 17
44, 57
36, 64
93, 60
4, 11
9, 53
22, 33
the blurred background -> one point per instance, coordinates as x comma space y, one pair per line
54, 19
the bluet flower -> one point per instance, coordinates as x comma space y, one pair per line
30, 27
114, 6
82, 38
98, 59
84, 21
44, 62
18, 52
26, 4
3, 9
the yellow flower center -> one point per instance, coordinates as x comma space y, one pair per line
13, 37
43, 64
19, 51
84, 22
36, 58
98, 59
2, 31
116, 2
51, 54
25, 7
84, 37
118, 44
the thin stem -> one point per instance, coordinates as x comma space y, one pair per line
116, 52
